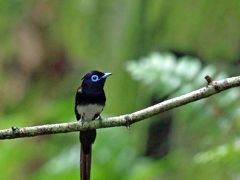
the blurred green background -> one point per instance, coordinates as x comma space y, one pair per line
156, 49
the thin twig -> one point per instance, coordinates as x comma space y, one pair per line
208, 79
212, 88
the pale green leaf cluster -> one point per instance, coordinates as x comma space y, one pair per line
205, 134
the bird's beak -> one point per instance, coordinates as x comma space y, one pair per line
106, 75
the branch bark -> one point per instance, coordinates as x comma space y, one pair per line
213, 87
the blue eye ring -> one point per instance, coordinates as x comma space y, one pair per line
94, 78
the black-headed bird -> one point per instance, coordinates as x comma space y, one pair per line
89, 102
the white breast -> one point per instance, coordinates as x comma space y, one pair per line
88, 111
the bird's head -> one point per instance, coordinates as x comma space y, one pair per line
94, 80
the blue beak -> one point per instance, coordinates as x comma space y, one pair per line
106, 75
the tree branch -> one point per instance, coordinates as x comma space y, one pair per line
213, 87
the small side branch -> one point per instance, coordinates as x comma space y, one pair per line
208, 79
212, 88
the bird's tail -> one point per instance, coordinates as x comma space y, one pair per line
87, 138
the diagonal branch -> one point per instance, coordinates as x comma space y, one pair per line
213, 87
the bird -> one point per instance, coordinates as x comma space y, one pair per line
90, 100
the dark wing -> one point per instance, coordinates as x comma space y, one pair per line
77, 101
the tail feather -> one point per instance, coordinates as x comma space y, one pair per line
87, 138
85, 164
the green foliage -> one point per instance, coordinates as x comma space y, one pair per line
199, 127
103, 35
164, 72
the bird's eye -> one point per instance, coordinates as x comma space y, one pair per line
94, 78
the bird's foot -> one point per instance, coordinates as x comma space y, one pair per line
15, 129
128, 122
